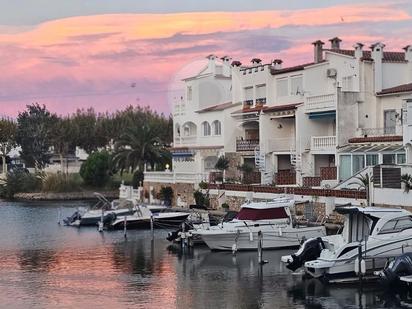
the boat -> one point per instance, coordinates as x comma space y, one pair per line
103, 208
142, 216
378, 233
273, 219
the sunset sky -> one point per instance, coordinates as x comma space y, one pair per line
113, 53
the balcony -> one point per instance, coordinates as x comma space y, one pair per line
186, 140
320, 103
285, 177
323, 144
286, 144
247, 144
174, 177
387, 131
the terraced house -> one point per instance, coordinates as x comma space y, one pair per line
315, 124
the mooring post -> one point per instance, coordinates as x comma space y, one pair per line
183, 236
125, 227
360, 262
152, 226
59, 216
100, 224
260, 261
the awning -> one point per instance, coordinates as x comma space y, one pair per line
372, 149
182, 154
321, 115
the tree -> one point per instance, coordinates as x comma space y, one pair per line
34, 131
85, 122
222, 165
8, 130
406, 179
363, 184
138, 146
96, 170
64, 138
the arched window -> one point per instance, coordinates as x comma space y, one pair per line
177, 129
206, 128
217, 127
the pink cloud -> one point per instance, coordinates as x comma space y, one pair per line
110, 61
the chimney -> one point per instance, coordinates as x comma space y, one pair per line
408, 58
212, 63
227, 68
377, 56
335, 43
256, 61
318, 51
277, 64
236, 63
358, 50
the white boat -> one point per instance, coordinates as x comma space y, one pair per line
142, 217
382, 233
103, 208
272, 218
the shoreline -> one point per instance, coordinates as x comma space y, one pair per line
63, 196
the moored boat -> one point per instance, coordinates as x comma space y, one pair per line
273, 219
379, 233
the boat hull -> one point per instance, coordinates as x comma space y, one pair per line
144, 223
247, 240
342, 268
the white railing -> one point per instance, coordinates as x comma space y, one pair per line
387, 131
280, 144
325, 144
186, 140
175, 177
320, 103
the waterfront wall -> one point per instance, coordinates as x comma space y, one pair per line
54, 196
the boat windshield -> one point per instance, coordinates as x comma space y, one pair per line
262, 214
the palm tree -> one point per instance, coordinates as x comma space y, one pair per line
138, 146
406, 179
222, 165
363, 184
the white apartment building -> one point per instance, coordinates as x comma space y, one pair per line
312, 124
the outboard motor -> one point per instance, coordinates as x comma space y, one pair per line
401, 266
172, 236
309, 251
72, 218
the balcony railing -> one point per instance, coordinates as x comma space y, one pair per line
320, 103
186, 140
387, 131
285, 177
280, 144
247, 144
174, 177
323, 144
261, 101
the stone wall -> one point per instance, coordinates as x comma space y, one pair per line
182, 192
235, 160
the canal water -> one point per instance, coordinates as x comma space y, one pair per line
45, 265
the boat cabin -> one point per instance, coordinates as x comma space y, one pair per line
361, 223
278, 210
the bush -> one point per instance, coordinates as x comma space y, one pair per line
166, 194
201, 199
61, 183
138, 177
203, 185
19, 181
95, 171
225, 206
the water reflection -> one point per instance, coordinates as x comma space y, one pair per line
44, 265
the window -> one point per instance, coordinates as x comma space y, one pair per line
397, 225
358, 163
177, 129
206, 128
189, 93
372, 159
345, 167
389, 118
261, 92
389, 158
217, 127
282, 87
296, 85
400, 158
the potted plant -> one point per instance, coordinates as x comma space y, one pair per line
225, 206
